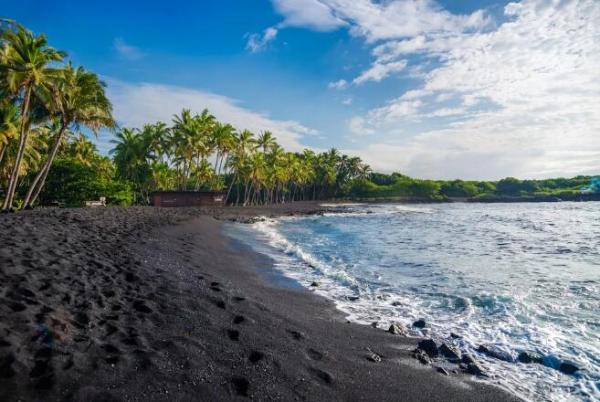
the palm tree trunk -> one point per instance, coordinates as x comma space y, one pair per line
43, 173
230, 187
14, 176
2, 152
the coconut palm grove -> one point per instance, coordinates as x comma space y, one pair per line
50, 111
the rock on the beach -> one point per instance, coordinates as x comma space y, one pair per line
419, 323
568, 368
428, 346
421, 356
467, 358
496, 353
450, 352
314, 284
474, 368
397, 330
528, 357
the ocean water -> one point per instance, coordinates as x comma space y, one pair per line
521, 277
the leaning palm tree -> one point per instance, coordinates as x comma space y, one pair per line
27, 72
79, 100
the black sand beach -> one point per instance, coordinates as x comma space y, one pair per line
151, 304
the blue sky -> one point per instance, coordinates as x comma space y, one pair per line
470, 89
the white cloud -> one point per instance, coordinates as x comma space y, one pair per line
126, 50
357, 126
448, 111
297, 13
397, 110
257, 42
379, 71
445, 97
347, 101
138, 104
530, 94
415, 94
377, 21
313, 14
340, 84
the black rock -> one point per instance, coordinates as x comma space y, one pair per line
467, 358
428, 346
474, 368
495, 353
455, 336
397, 330
314, 284
442, 370
527, 357
568, 368
421, 356
419, 323
450, 352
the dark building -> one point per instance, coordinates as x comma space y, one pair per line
187, 198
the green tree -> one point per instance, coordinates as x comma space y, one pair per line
78, 100
26, 71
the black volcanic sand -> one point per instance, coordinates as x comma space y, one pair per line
156, 304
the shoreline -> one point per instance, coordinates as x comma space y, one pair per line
157, 304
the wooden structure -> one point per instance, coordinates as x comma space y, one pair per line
187, 198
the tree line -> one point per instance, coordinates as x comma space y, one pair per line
197, 152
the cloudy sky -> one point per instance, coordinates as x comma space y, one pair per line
457, 89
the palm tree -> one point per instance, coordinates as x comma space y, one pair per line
79, 100
184, 144
224, 138
26, 70
158, 137
83, 150
265, 141
9, 126
126, 152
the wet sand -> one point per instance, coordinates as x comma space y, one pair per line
128, 304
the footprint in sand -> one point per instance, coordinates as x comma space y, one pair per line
233, 334
321, 375
297, 335
240, 385
255, 356
314, 354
